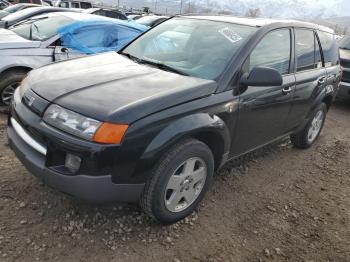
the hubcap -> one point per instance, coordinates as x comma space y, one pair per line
316, 126
185, 184
7, 93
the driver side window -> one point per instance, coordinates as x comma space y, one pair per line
273, 51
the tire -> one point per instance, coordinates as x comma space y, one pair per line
8, 83
303, 139
156, 198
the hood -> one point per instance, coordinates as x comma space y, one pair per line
110, 87
344, 54
10, 40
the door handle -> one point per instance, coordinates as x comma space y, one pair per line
287, 90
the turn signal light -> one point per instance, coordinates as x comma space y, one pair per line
109, 133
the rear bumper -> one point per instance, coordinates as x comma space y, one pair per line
94, 189
344, 90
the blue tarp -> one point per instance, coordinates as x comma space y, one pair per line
96, 36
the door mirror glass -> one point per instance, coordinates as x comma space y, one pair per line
262, 76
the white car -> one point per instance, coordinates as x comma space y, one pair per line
40, 41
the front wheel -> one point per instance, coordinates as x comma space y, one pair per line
306, 137
8, 84
179, 182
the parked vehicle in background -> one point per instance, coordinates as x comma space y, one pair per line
152, 124
38, 2
4, 4
54, 37
344, 90
134, 17
23, 15
151, 20
111, 13
73, 4
14, 8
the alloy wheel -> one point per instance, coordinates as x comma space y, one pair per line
316, 126
185, 184
7, 93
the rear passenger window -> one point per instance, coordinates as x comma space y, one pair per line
330, 48
273, 51
305, 49
85, 5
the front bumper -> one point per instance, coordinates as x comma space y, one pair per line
344, 90
94, 189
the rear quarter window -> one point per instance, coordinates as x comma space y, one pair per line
329, 47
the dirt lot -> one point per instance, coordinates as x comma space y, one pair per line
278, 204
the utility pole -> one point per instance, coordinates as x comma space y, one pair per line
189, 6
181, 7
118, 3
155, 6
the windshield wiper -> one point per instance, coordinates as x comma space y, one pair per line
156, 64
131, 57
162, 67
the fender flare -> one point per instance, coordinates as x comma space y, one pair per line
187, 126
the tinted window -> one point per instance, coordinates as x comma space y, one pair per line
75, 5
100, 12
121, 17
85, 5
330, 48
64, 5
305, 49
273, 51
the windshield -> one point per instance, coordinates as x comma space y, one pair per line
25, 13
41, 28
194, 47
12, 8
148, 20
345, 43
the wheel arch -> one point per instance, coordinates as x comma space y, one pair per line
211, 130
24, 69
328, 99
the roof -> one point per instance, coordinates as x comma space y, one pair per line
259, 22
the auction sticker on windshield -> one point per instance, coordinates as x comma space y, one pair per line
231, 35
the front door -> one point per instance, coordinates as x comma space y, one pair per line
264, 110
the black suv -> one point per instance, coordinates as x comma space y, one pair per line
153, 122
344, 90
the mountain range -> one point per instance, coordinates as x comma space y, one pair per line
301, 9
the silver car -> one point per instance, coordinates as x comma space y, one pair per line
36, 42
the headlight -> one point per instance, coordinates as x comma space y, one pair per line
71, 122
84, 127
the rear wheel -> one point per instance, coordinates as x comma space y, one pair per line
306, 137
179, 182
8, 84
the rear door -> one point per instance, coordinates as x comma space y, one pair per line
310, 74
330, 51
264, 110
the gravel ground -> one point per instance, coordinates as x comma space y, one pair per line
278, 204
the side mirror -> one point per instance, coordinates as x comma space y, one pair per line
262, 76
